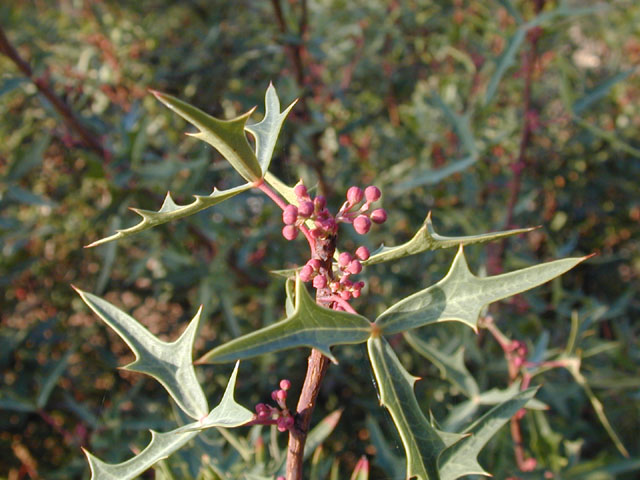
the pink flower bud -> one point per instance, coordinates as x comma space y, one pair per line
285, 384
306, 273
289, 232
314, 263
281, 395
362, 253
355, 293
354, 267
320, 281
281, 424
344, 258
345, 282
301, 191
273, 395
305, 209
290, 214
345, 295
361, 224
354, 195
320, 202
379, 215
372, 193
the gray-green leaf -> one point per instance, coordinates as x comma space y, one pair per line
172, 211
267, 130
462, 458
310, 325
227, 414
226, 136
169, 363
423, 444
427, 239
460, 295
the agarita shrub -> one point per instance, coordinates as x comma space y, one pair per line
319, 323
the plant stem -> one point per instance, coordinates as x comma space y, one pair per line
317, 365
44, 87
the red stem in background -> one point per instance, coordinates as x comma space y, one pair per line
44, 87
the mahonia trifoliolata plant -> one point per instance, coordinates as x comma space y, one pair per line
322, 323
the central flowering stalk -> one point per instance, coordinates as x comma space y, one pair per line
332, 279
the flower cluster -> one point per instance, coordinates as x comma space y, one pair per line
312, 213
280, 415
325, 224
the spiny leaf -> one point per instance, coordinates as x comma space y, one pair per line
267, 130
172, 211
426, 238
226, 136
310, 325
462, 458
161, 446
227, 414
423, 444
451, 366
168, 362
460, 295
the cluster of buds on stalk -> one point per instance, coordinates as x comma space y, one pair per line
312, 214
279, 415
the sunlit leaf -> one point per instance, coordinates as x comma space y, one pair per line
226, 136
267, 130
462, 458
170, 210
310, 325
426, 239
460, 295
168, 362
227, 414
423, 444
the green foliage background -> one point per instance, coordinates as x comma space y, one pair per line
424, 98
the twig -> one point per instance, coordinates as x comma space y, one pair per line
44, 87
496, 251
297, 53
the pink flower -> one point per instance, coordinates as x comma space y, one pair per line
320, 281
289, 232
301, 191
362, 224
290, 214
306, 209
344, 258
354, 195
372, 193
354, 267
362, 253
285, 384
379, 215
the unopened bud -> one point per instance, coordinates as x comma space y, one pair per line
320, 202
345, 295
289, 232
314, 263
362, 253
379, 215
362, 224
281, 395
372, 193
300, 190
320, 281
354, 267
305, 209
290, 214
285, 384
306, 273
354, 195
344, 258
